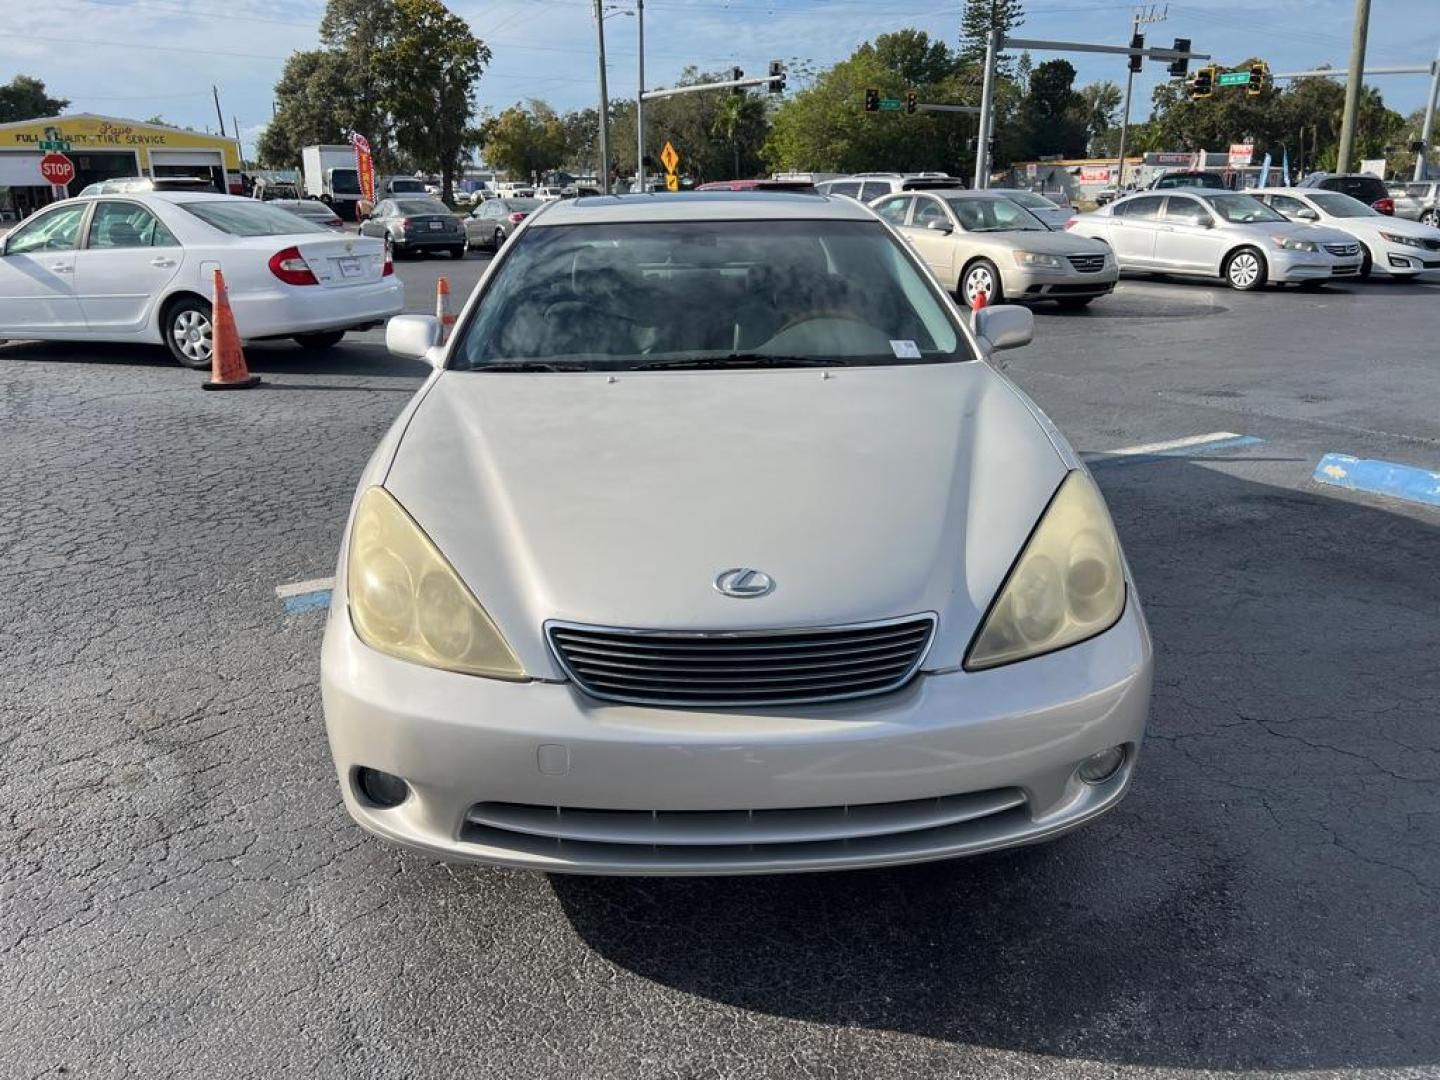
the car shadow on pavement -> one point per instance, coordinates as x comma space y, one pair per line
267, 358
1266, 896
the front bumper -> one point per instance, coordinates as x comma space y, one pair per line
1400, 260
1291, 266
538, 775
289, 309
1033, 283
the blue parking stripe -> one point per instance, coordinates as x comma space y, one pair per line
1380, 478
311, 601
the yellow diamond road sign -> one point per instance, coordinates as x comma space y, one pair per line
669, 158
672, 182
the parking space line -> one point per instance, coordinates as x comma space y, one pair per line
1375, 477
1190, 446
300, 596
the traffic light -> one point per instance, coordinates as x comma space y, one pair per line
1179, 67
777, 77
1257, 80
1203, 84
735, 76
912, 99
1137, 62
872, 99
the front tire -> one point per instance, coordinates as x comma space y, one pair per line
1245, 270
499, 239
190, 332
458, 252
1431, 218
1367, 262
326, 340
981, 276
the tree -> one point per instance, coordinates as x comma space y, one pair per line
525, 141
913, 56
1052, 114
707, 128
582, 140
24, 98
1100, 102
432, 102
982, 16
356, 34
313, 102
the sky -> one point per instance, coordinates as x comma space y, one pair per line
138, 58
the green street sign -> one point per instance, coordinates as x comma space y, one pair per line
890, 104
1233, 78
55, 146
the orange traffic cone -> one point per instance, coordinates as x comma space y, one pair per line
978, 305
227, 360
442, 309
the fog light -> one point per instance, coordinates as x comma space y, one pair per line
381, 788
1399, 262
1098, 768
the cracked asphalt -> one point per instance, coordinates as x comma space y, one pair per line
183, 895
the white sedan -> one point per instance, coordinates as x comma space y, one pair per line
716, 544
139, 268
1391, 245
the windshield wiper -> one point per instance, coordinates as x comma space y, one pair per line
530, 365
739, 359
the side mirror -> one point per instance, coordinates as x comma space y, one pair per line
1206, 222
940, 226
1307, 215
415, 337
1004, 326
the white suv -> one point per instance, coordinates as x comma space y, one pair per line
867, 187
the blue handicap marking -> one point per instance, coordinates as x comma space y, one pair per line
311, 601
1380, 478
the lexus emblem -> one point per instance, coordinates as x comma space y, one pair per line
744, 584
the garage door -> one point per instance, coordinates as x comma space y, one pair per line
21, 170
204, 158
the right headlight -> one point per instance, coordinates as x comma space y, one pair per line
1066, 586
407, 601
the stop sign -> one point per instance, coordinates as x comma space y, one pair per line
57, 169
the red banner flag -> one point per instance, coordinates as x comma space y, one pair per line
364, 167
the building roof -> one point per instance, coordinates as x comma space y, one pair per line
71, 117
702, 206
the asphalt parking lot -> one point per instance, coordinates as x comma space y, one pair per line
182, 893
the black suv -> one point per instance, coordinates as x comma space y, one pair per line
1368, 189
1188, 179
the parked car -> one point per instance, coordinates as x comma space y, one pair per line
312, 210
137, 268
867, 187
416, 225
564, 637
1223, 234
135, 185
1370, 190
549, 192
267, 190
980, 242
395, 187
1048, 211
1190, 178
1418, 201
492, 222
757, 185
1393, 245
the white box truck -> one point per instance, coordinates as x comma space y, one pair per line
331, 176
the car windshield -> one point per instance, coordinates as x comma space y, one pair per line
345, 181
246, 217
521, 205
422, 206
994, 215
1030, 200
1337, 205
703, 294
407, 187
1242, 209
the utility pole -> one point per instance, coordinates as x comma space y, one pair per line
218, 114
604, 177
987, 91
640, 101
1422, 159
1141, 18
1353, 84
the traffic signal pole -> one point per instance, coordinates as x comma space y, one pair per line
1422, 159
1353, 84
987, 112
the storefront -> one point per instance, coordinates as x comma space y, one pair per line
102, 148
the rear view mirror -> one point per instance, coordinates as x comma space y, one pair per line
1003, 326
415, 337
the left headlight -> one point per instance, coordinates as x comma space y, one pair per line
1038, 259
1407, 241
1066, 586
407, 601
1289, 243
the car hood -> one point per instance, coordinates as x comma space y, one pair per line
1048, 243
1320, 234
866, 493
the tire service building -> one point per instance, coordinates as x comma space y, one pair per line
105, 148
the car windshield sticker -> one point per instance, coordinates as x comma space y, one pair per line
905, 350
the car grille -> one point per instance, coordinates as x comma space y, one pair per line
1087, 264
772, 667
666, 839
1343, 249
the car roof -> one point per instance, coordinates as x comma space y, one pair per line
704, 206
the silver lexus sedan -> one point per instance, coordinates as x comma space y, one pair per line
715, 543
1237, 238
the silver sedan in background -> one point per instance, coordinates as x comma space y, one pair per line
1047, 210
1234, 237
491, 223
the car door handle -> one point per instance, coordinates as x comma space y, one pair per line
161, 261
1165, 228
62, 268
